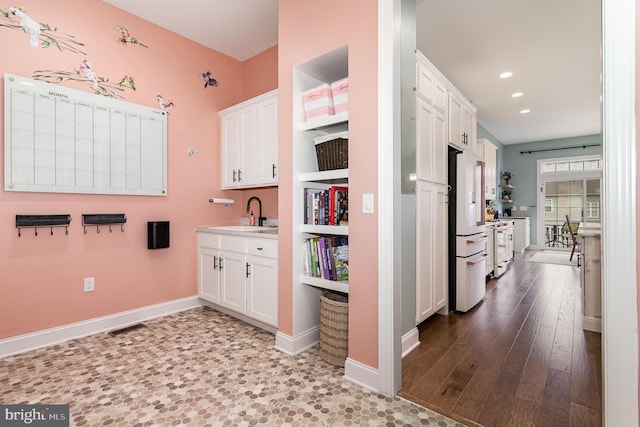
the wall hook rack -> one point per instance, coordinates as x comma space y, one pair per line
42, 221
103, 219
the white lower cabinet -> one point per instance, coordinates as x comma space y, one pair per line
431, 249
208, 276
590, 275
489, 250
262, 289
233, 289
521, 233
240, 274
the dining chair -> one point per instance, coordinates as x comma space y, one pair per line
574, 238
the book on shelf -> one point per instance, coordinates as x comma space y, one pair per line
326, 257
326, 206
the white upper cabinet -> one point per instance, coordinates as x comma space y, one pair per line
487, 151
268, 141
431, 143
250, 143
429, 86
462, 123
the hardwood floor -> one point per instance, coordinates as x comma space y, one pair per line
519, 358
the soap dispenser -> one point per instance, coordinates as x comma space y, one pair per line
252, 219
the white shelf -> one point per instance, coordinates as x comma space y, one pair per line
332, 176
332, 285
325, 122
337, 230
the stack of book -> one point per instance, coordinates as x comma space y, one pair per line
326, 257
328, 206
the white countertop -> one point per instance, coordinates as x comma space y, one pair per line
242, 230
589, 229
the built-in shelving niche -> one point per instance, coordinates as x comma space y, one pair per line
102, 220
42, 221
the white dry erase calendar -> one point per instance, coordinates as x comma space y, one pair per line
63, 140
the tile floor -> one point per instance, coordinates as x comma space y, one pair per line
197, 368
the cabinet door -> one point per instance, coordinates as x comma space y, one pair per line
424, 139
490, 170
233, 270
425, 305
456, 137
248, 132
440, 148
489, 251
230, 150
440, 247
469, 128
208, 275
268, 141
431, 143
262, 289
430, 88
432, 266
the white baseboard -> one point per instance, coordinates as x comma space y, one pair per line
361, 374
47, 337
593, 324
410, 341
296, 345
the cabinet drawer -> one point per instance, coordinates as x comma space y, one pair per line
263, 247
208, 240
234, 244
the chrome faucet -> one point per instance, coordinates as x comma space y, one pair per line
260, 217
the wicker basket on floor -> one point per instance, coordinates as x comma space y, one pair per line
334, 328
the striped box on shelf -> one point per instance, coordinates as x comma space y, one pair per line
340, 94
318, 101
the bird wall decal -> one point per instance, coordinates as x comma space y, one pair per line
125, 37
87, 71
164, 105
29, 26
127, 81
208, 80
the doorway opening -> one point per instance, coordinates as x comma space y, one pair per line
570, 187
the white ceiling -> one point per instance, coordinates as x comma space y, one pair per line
551, 46
237, 28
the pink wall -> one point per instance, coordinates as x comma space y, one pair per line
258, 77
307, 30
42, 276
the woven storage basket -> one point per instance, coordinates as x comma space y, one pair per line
332, 151
334, 328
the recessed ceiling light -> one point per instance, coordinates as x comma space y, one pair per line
506, 75
525, 111
517, 94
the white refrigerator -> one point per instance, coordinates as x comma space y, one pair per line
467, 231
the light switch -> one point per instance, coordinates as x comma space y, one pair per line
523, 208
367, 203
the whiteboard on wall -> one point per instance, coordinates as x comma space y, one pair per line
62, 140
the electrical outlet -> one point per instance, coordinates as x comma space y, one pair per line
89, 284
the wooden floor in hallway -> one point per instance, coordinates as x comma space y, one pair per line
519, 358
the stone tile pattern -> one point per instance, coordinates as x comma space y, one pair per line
197, 368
